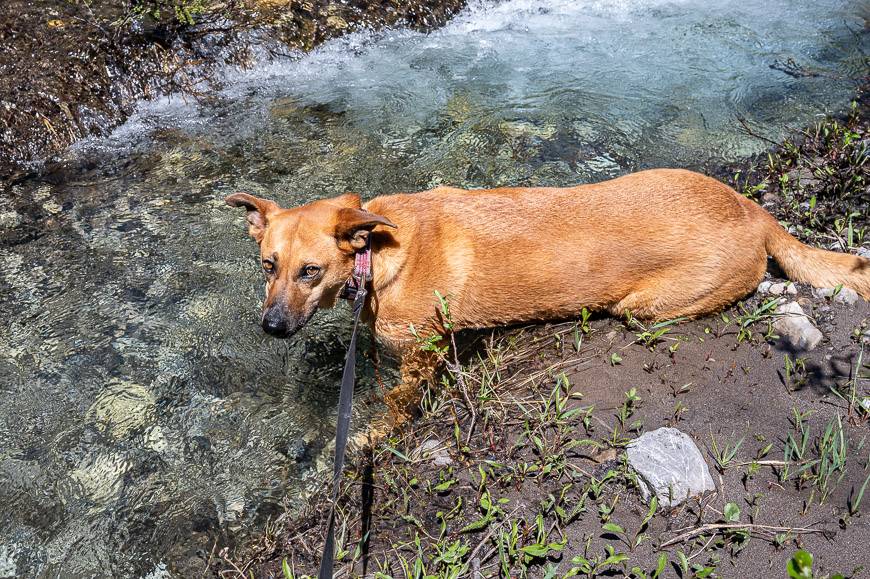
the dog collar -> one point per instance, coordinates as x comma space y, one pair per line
362, 274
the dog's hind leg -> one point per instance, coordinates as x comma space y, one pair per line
691, 293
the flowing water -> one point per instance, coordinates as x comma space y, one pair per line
144, 413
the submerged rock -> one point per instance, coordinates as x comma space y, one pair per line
122, 408
669, 465
795, 326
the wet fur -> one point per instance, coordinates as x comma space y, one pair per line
662, 243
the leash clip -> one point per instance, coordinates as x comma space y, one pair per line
362, 274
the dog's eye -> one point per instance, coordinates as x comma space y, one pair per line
309, 271
268, 266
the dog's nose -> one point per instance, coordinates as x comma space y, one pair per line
274, 323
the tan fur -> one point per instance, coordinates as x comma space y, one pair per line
662, 243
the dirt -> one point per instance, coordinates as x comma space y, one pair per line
70, 69
713, 386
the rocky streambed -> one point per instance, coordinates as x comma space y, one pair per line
75, 69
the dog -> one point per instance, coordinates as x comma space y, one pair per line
660, 244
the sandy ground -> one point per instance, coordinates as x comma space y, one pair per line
701, 377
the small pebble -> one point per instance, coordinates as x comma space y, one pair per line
795, 326
845, 296
779, 289
433, 450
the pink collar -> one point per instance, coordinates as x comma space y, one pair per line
362, 273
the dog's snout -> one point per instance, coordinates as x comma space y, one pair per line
275, 323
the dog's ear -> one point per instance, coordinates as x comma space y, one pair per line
258, 212
353, 226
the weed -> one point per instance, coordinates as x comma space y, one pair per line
652, 335
594, 566
855, 503
800, 566
824, 471
852, 393
581, 328
747, 318
795, 449
795, 371
633, 541
724, 456
638, 573
831, 465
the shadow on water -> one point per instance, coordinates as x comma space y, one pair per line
145, 414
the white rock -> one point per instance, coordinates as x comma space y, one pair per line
781, 288
823, 292
795, 326
669, 464
846, 295
777, 289
435, 451
864, 252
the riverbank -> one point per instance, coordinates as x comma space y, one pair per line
517, 466
70, 70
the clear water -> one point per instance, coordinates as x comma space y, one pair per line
146, 416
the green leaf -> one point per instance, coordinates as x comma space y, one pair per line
684, 561
613, 528
485, 502
399, 454
800, 566
288, 574
615, 359
550, 571
732, 512
663, 561
653, 507
440, 488
477, 525
615, 559
536, 550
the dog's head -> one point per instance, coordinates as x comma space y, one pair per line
307, 254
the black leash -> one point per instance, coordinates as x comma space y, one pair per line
345, 404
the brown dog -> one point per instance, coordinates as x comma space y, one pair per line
661, 244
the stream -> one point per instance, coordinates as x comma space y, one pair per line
144, 415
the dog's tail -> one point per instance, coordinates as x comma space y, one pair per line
817, 267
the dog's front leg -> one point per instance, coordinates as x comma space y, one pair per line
417, 367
